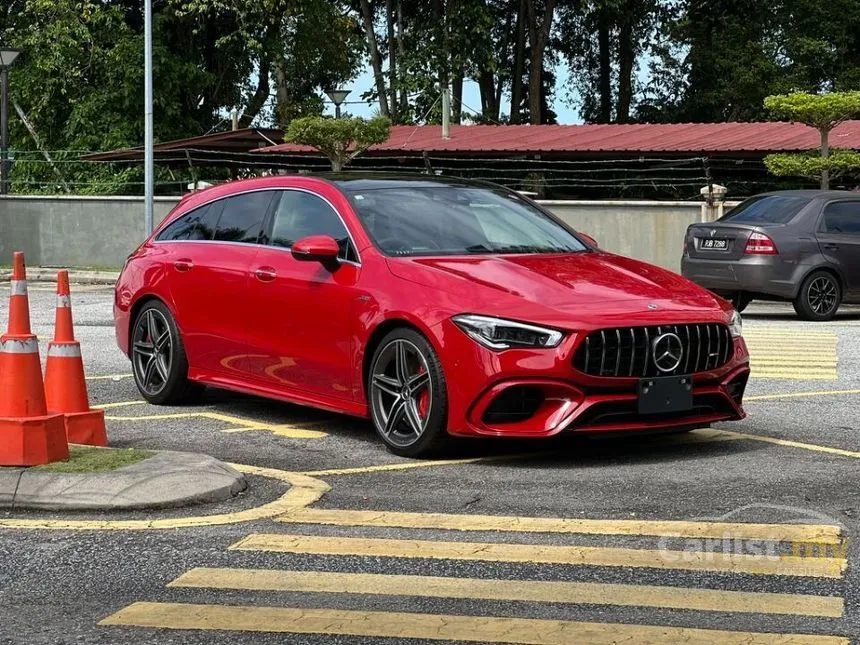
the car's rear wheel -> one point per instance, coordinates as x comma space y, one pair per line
407, 395
819, 296
158, 358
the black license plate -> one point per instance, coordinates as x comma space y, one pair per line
665, 394
715, 244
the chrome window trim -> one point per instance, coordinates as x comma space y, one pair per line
283, 248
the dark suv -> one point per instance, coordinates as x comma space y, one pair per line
797, 245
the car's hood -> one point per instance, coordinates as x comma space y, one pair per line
578, 285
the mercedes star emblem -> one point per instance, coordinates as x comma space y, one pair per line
667, 351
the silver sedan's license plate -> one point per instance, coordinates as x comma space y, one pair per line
715, 244
665, 394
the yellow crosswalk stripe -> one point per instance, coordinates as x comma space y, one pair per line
777, 353
512, 590
483, 629
783, 565
809, 533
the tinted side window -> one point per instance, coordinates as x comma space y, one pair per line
842, 217
242, 217
299, 214
767, 209
199, 224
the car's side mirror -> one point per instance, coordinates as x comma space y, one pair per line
590, 240
316, 248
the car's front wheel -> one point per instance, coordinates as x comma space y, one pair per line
407, 395
158, 358
819, 296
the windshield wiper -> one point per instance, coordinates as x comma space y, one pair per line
526, 248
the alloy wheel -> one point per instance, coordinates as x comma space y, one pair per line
401, 392
823, 295
152, 352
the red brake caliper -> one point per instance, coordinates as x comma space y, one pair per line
423, 399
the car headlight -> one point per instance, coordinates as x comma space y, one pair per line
736, 325
498, 333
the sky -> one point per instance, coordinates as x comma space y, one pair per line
471, 98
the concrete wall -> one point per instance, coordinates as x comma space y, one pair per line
74, 231
651, 231
101, 231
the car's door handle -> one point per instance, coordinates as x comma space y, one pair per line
265, 274
830, 246
183, 264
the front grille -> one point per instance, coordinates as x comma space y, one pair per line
629, 351
616, 413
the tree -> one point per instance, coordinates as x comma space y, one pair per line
602, 40
822, 112
341, 140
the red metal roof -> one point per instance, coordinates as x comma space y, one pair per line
635, 138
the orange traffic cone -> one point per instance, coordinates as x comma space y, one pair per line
29, 436
65, 387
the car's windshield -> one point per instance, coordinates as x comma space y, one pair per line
457, 220
766, 209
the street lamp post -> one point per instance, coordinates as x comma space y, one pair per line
7, 57
337, 97
148, 155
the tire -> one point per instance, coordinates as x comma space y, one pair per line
415, 393
158, 359
819, 296
740, 301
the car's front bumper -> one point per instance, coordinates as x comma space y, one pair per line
569, 400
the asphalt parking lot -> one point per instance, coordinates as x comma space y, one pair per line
689, 538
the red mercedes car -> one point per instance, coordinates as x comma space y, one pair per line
434, 306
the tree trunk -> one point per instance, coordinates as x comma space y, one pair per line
375, 59
457, 97
259, 97
519, 56
604, 114
626, 58
392, 60
825, 152
487, 87
539, 29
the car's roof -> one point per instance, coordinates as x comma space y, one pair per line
815, 194
360, 181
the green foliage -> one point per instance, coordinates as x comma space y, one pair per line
821, 111
341, 140
813, 165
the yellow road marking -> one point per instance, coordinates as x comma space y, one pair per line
118, 404
825, 534
109, 377
781, 361
795, 375
291, 431
409, 465
303, 491
482, 629
512, 590
795, 395
789, 332
796, 444
784, 565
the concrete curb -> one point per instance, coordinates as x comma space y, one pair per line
44, 274
166, 480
